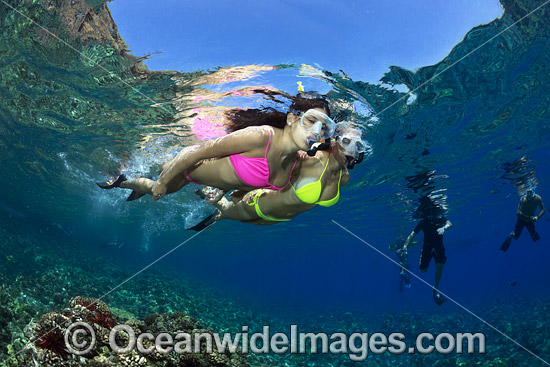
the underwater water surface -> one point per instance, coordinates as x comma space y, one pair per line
471, 130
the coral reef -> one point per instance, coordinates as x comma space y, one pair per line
49, 335
48, 277
93, 311
46, 346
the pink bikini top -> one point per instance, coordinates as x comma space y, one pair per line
255, 171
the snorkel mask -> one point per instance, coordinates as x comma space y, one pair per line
355, 148
530, 192
320, 125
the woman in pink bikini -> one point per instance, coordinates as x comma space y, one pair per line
260, 152
316, 181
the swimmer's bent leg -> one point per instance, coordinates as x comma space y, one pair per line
144, 186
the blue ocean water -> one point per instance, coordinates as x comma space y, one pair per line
472, 130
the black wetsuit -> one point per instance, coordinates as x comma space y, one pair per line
433, 242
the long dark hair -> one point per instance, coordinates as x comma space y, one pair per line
239, 119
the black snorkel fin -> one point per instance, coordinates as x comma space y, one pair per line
313, 149
353, 161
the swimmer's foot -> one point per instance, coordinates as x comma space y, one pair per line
134, 195
206, 222
438, 298
210, 194
107, 185
214, 195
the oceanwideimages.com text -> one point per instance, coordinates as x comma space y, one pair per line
80, 339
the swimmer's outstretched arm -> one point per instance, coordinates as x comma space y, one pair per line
542, 210
240, 141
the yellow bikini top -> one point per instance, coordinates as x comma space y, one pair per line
311, 192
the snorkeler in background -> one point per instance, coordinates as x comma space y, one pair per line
317, 182
261, 151
434, 224
528, 204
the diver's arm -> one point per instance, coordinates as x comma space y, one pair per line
240, 141
409, 239
542, 211
445, 227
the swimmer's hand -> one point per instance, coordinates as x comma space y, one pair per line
158, 191
214, 195
440, 231
535, 219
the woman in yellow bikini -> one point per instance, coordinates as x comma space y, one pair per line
317, 181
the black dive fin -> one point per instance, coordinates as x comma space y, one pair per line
205, 222
438, 298
107, 185
134, 195
506, 243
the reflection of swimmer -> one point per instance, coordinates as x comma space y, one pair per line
206, 95
198, 105
433, 223
261, 152
317, 182
207, 120
528, 204
231, 74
